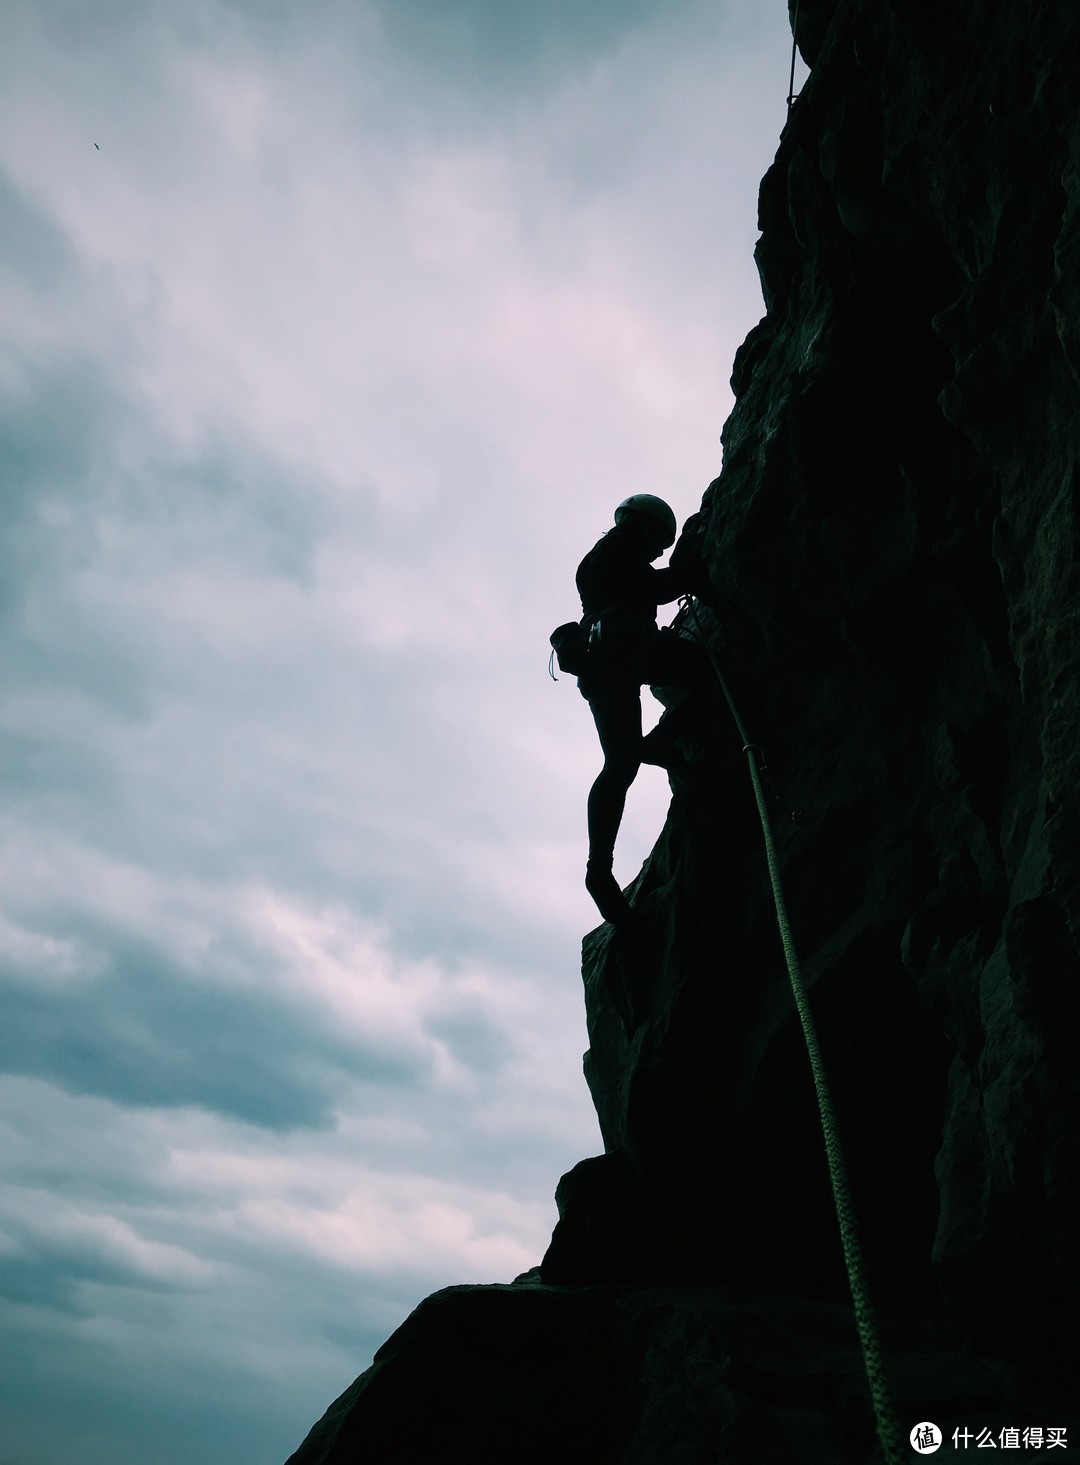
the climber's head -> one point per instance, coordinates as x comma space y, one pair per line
649, 520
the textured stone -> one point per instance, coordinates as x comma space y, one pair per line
893, 541
730, 1375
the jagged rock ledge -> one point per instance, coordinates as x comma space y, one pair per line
638, 1374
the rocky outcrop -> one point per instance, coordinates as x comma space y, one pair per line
685, 1375
893, 546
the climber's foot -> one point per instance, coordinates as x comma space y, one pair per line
604, 889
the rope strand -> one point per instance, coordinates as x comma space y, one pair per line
887, 1427
794, 43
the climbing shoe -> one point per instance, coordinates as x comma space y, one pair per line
604, 889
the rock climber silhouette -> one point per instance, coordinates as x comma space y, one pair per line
620, 591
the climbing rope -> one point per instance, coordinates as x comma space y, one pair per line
887, 1427
794, 43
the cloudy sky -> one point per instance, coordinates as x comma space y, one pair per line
332, 333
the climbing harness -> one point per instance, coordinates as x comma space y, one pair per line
791, 78
887, 1427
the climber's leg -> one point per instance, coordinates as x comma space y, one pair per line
673, 661
616, 711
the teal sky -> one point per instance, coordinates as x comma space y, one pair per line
332, 335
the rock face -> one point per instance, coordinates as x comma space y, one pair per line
893, 546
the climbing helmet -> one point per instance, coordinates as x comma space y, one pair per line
656, 508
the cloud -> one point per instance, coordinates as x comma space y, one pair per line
57, 1254
150, 1286
241, 1002
42, 959
320, 374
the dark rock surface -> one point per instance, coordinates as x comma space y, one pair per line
634, 1374
893, 540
